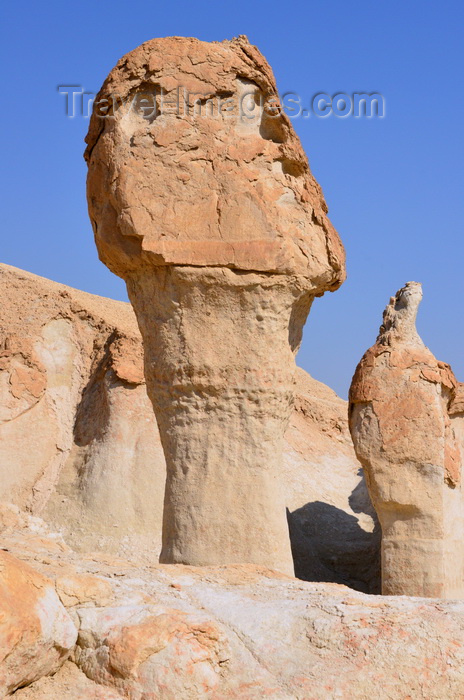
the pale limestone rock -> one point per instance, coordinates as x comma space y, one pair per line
36, 633
76, 589
242, 631
109, 493
220, 231
410, 448
70, 683
77, 442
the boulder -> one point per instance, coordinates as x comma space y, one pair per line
36, 633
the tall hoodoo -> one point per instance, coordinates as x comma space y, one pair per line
201, 198
404, 421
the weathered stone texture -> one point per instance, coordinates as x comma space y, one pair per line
400, 403
220, 231
105, 485
241, 632
333, 526
209, 189
36, 633
77, 430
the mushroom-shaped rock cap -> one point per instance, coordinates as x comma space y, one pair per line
192, 162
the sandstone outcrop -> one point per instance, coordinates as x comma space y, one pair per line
36, 633
220, 231
106, 483
406, 422
77, 431
240, 631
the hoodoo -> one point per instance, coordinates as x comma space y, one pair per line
405, 424
201, 198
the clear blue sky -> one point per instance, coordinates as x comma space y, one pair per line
394, 186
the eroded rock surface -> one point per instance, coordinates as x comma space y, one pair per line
107, 491
406, 423
36, 633
239, 631
220, 231
77, 431
69, 683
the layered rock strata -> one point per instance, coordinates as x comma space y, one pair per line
406, 424
215, 222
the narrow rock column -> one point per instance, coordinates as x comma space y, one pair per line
215, 222
403, 437
220, 370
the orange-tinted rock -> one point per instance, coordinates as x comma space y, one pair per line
76, 589
222, 263
36, 633
246, 633
403, 435
167, 187
76, 425
70, 683
148, 649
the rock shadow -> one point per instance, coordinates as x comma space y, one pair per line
329, 545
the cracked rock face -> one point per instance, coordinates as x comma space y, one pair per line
231, 632
406, 425
36, 632
202, 199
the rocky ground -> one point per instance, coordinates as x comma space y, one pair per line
94, 626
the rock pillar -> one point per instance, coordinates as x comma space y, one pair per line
201, 198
